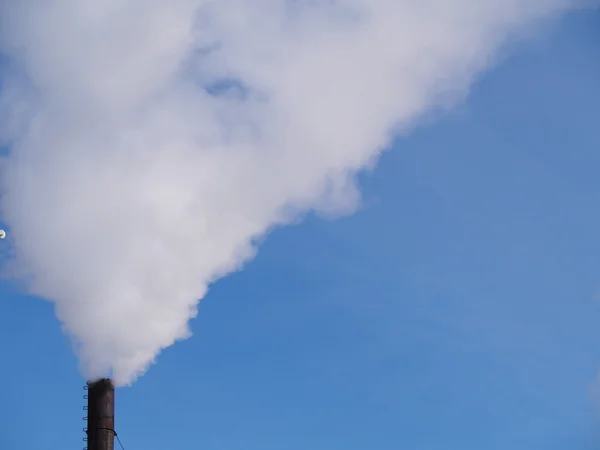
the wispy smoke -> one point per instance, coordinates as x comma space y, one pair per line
153, 142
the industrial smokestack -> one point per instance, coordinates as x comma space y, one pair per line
101, 415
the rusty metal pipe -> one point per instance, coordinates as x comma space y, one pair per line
101, 415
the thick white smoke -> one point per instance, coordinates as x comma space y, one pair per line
152, 142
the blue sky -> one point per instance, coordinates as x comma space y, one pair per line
457, 310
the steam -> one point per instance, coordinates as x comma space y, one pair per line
152, 143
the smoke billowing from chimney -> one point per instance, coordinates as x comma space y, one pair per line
152, 143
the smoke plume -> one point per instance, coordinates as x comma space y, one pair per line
150, 143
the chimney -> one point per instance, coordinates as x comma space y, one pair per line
101, 415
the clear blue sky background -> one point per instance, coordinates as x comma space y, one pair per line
458, 310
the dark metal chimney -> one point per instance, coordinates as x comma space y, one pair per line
101, 415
